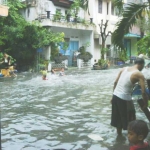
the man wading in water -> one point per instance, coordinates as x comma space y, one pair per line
122, 106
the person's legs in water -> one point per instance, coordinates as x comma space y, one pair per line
119, 117
44, 77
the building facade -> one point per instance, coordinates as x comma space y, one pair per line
81, 29
77, 32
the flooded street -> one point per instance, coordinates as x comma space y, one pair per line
61, 112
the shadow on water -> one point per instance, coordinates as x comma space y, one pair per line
59, 113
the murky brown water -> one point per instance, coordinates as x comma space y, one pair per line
59, 113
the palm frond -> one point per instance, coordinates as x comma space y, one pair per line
85, 5
119, 5
130, 14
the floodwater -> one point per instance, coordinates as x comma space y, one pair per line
70, 112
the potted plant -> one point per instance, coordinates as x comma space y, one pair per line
58, 59
85, 56
122, 58
57, 16
101, 64
56, 56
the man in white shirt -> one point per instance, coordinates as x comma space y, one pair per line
122, 106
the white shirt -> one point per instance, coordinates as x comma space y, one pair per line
124, 86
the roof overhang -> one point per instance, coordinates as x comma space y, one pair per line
131, 35
62, 3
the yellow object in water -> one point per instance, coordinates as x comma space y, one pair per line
4, 72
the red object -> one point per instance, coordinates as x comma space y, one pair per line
145, 146
44, 78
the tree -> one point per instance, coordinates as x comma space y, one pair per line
130, 15
144, 45
85, 5
119, 5
104, 35
20, 38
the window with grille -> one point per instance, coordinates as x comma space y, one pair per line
100, 6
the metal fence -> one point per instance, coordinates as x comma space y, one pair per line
66, 18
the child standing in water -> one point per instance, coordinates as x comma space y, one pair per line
62, 73
44, 74
137, 132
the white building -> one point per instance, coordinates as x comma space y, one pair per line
102, 10
77, 33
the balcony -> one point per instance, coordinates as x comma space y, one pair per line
67, 21
3, 8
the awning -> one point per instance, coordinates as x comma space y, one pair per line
132, 35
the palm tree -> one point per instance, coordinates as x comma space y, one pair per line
77, 4
85, 5
130, 15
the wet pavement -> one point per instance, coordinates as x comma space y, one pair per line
70, 112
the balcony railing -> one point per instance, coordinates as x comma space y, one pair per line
67, 19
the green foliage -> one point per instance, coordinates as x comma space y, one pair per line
65, 45
43, 63
77, 4
85, 56
144, 45
54, 51
144, 24
122, 55
82, 49
20, 38
55, 55
57, 16
130, 16
74, 9
119, 5
102, 64
104, 50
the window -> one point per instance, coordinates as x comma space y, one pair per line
100, 6
112, 9
107, 8
66, 12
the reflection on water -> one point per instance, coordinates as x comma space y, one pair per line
60, 112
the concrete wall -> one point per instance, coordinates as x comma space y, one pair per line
96, 49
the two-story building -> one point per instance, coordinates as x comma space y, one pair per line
79, 30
